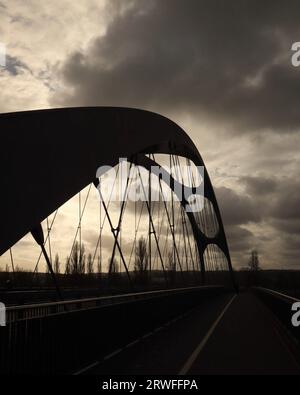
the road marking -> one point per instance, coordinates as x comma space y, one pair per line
92, 365
188, 364
132, 343
116, 352
147, 335
282, 334
113, 354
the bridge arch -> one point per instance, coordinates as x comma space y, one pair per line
75, 142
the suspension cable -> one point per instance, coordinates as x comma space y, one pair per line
118, 229
79, 225
104, 217
113, 232
153, 229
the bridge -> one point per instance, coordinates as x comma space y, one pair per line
168, 300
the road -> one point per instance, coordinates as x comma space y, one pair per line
232, 334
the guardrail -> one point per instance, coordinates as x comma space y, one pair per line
24, 312
281, 306
49, 339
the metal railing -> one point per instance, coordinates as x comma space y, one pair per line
281, 305
43, 339
277, 294
24, 312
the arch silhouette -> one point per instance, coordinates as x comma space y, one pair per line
50, 155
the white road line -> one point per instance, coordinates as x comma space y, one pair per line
113, 354
147, 335
188, 364
132, 343
116, 352
92, 365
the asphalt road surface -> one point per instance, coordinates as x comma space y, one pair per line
231, 334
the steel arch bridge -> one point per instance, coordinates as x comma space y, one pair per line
52, 155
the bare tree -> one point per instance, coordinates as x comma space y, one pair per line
141, 261
253, 269
253, 264
89, 265
99, 267
68, 267
77, 259
56, 264
171, 266
113, 275
141, 256
114, 267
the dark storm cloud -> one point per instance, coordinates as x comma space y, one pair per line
237, 209
239, 239
228, 61
284, 211
286, 204
288, 226
259, 186
224, 62
275, 199
267, 203
15, 66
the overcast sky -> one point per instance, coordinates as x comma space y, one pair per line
220, 69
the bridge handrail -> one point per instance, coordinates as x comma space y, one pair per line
22, 312
280, 304
277, 294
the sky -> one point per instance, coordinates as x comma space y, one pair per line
220, 69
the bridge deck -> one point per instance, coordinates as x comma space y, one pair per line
244, 340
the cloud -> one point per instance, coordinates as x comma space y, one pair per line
222, 70
259, 186
266, 216
15, 66
38, 36
226, 62
237, 209
240, 240
286, 204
